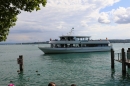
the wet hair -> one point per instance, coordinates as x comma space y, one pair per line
73, 85
51, 84
11, 81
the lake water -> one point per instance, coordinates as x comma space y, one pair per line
82, 69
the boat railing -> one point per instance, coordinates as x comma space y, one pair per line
64, 40
84, 41
83, 46
77, 40
79, 47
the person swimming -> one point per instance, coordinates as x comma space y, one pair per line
11, 84
51, 84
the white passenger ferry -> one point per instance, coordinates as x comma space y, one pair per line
76, 44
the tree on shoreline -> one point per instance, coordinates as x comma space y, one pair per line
9, 9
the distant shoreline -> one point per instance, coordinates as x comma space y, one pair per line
111, 41
24, 43
120, 41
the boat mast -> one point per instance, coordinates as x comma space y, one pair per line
69, 34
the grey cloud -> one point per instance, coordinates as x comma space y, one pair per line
123, 19
24, 29
105, 21
104, 18
122, 15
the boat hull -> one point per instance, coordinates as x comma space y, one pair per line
48, 50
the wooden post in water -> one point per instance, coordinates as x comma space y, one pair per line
128, 56
112, 58
118, 56
123, 62
20, 62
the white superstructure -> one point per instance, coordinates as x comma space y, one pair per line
76, 44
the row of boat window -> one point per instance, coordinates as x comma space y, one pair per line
77, 45
72, 39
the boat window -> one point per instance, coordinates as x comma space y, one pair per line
62, 38
70, 38
94, 45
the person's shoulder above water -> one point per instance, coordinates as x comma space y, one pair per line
11, 83
73, 85
51, 84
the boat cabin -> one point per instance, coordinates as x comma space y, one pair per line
77, 41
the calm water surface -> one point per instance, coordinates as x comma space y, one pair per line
83, 69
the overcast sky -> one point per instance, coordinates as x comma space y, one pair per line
96, 18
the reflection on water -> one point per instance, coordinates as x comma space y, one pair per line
74, 55
113, 73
